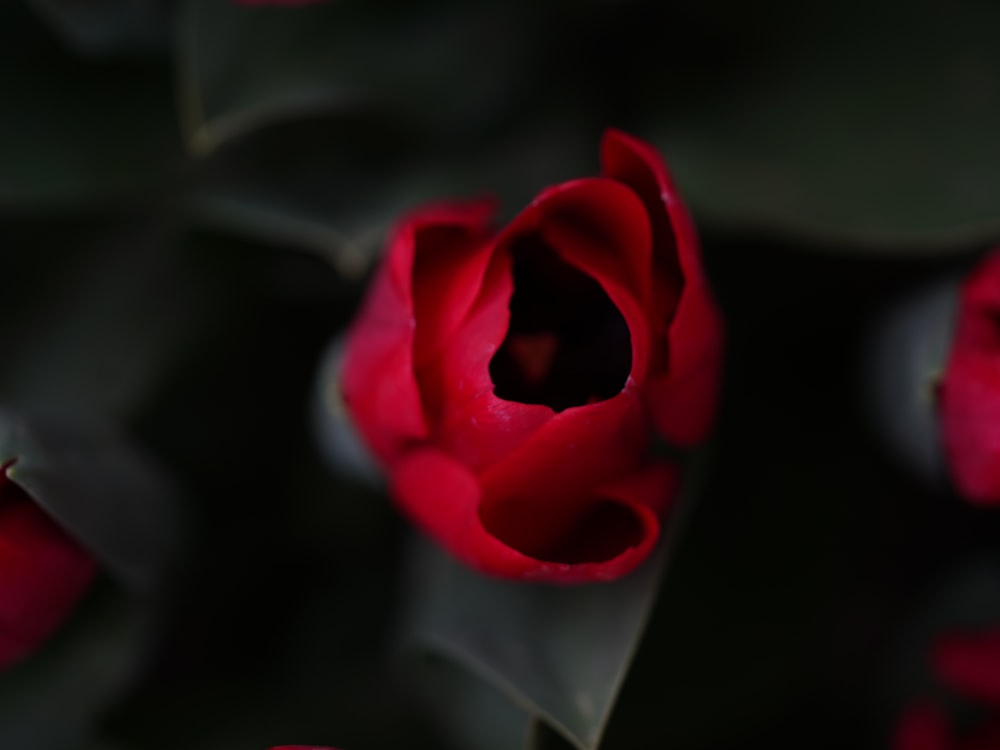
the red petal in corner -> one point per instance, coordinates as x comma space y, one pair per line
970, 388
43, 574
981, 290
923, 727
970, 422
379, 382
684, 400
970, 665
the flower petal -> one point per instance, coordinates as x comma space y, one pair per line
613, 215
923, 727
970, 664
43, 573
610, 535
603, 533
450, 261
970, 388
470, 421
970, 409
442, 497
578, 449
601, 228
684, 399
379, 381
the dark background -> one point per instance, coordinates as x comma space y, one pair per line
191, 198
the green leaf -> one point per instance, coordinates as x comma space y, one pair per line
51, 700
865, 124
473, 712
242, 67
99, 313
108, 26
100, 489
334, 186
78, 132
559, 654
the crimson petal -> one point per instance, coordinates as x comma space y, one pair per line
43, 573
379, 381
683, 401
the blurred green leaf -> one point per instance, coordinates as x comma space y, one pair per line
76, 131
905, 360
108, 26
52, 700
334, 186
873, 124
243, 66
98, 313
560, 654
476, 714
99, 488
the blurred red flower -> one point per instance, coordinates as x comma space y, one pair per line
43, 573
970, 389
510, 381
969, 665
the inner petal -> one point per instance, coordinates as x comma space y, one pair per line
567, 343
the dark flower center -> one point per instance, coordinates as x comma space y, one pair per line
568, 344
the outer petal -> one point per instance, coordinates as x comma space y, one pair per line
970, 389
578, 449
684, 399
43, 573
379, 381
604, 532
444, 498
550, 497
601, 228
970, 409
471, 422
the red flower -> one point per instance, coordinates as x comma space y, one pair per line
969, 665
43, 573
970, 390
509, 381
